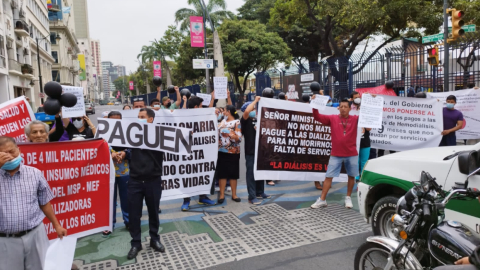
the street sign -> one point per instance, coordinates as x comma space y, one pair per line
41, 95
466, 28
203, 64
432, 38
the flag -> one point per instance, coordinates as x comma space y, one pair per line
49, 3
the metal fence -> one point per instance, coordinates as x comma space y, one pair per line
405, 65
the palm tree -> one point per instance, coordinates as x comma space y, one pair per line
155, 52
216, 9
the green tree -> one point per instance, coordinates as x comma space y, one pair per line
216, 8
247, 47
183, 71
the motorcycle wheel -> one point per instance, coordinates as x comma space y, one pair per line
371, 256
382, 214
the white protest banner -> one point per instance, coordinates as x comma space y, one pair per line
371, 112
60, 253
291, 144
188, 175
468, 102
220, 85
79, 109
319, 102
408, 123
124, 133
206, 98
15, 114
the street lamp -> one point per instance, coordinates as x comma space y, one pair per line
38, 62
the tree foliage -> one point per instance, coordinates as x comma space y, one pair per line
216, 8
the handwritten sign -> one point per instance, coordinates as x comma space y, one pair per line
220, 84
319, 102
371, 112
79, 109
206, 98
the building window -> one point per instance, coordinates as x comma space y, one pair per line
55, 55
53, 35
56, 75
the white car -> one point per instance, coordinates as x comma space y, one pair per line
386, 179
117, 103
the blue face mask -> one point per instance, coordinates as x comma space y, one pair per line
220, 116
142, 120
450, 105
252, 114
12, 164
329, 104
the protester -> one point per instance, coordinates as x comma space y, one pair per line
105, 114
219, 112
145, 183
127, 107
410, 92
248, 122
121, 160
228, 165
39, 132
364, 153
355, 100
167, 103
452, 121
79, 127
139, 103
196, 103
155, 104
420, 95
24, 202
344, 150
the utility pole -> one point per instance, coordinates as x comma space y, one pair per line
446, 62
207, 72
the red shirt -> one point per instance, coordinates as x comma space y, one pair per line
343, 144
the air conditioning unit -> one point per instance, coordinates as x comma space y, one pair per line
25, 51
14, 4
9, 44
22, 13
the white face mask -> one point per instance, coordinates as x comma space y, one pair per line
357, 100
78, 123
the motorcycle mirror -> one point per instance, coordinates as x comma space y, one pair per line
468, 162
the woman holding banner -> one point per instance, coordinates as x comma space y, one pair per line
80, 127
228, 165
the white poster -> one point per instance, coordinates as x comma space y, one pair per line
319, 102
60, 253
371, 112
125, 133
291, 144
77, 110
468, 102
220, 85
206, 98
292, 93
188, 175
408, 124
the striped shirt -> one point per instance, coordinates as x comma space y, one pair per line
20, 198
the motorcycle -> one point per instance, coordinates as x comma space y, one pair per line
426, 239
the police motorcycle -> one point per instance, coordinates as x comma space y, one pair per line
425, 239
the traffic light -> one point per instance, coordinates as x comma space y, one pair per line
457, 22
433, 56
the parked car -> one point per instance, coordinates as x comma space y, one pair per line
110, 103
89, 108
117, 103
386, 179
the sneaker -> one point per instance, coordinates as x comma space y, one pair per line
206, 201
106, 234
229, 189
348, 202
264, 196
319, 203
255, 201
185, 206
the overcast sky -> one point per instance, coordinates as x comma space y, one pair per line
123, 27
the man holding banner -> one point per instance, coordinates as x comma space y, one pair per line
145, 183
344, 150
452, 121
24, 202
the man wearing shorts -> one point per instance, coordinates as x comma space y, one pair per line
344, 150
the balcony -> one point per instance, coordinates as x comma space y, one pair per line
54, 8
3, 62
20, 69
21, 28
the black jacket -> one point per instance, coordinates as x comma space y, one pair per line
146, 165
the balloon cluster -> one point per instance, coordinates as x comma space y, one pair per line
56, 99
268, 93
157, 81
306, 97
282, 96
389, 84
185, 92
315, 87
171, 89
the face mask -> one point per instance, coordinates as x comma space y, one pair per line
78, 124
168, 105
220, 117
156, 106
252, 114
329, 104
357, 100
142, 120
450, 105
12, 164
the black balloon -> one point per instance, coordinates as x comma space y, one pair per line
68, 100
185, 92
52, 106
171, 89
315, 86
389, 84
282, 96
268, 92
306, 97
53, 89
157, 81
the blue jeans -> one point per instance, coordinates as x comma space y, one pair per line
121, 184
335, 166
254, 187
363, 157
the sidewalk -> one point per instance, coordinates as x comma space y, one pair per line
209, 236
